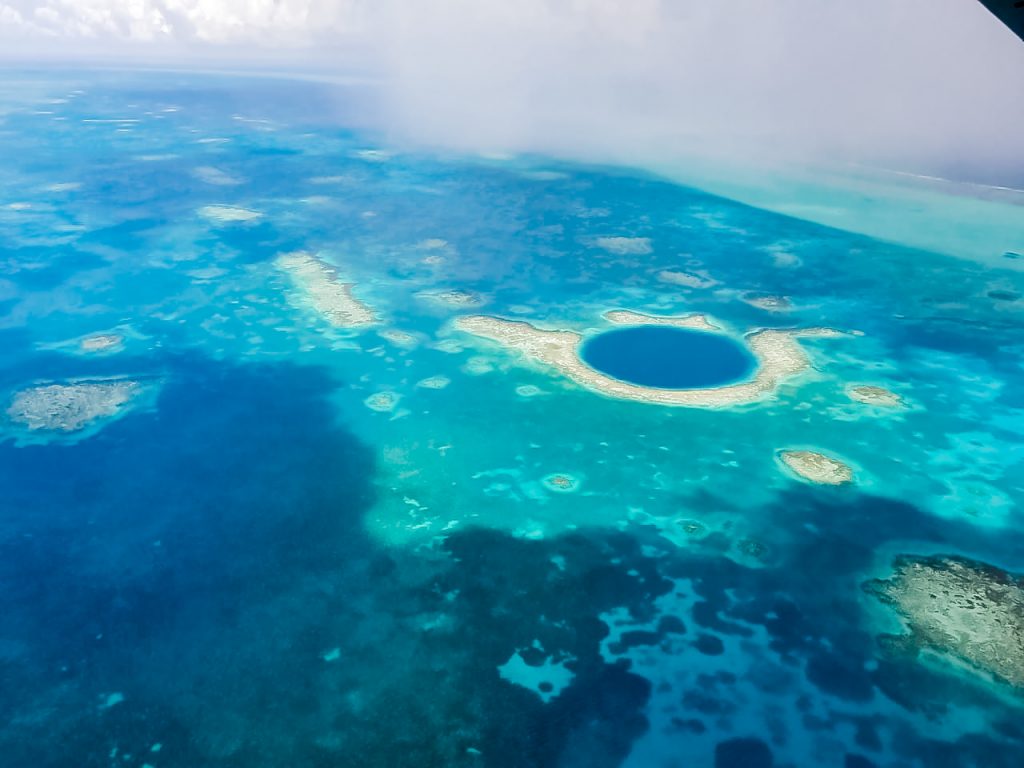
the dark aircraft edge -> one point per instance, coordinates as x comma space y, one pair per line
1010, 12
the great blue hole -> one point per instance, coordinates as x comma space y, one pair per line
669, 358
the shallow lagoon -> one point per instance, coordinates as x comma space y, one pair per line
266, 566
668, 358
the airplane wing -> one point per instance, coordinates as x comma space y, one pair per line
1010, 12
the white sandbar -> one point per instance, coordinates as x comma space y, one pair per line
229, 214
101, 342
779, 357
695, 322
329, 296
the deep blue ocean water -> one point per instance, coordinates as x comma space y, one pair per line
668, 358
249, 567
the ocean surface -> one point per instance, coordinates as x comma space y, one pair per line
300, 544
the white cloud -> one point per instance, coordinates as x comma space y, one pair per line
916, 80
263, 22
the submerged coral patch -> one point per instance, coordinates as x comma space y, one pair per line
768, 303
561, 482
975, 501
434, 382
693, 529
453, 298
478, 365
872, 394
687, 279
625, 246
743, 753
529, 390
961, 608
402, 339
70, 407
382, 401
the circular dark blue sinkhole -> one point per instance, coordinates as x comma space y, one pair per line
668, 358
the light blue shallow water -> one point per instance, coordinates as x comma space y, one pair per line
668, 358
397, 545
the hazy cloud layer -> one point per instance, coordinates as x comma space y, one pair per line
926, 83
258, 22
877, 80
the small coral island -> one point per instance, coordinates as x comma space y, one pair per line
870, 394
817, 467
70, 407
777, 353
329, 296
960, 608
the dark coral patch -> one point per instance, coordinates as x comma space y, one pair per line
709, 645
743, 753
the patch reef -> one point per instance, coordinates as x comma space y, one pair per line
70, 407
329, 296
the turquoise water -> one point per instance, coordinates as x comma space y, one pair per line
668, 358
248, 565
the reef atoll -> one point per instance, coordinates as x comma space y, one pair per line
960, 608
817, 467
330, 297
777, 352
70, 407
